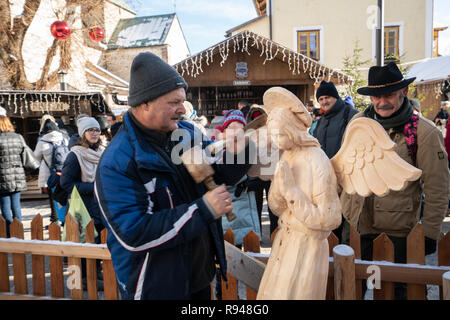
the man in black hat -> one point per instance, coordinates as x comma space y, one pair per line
421, 144
330, 128
165, 231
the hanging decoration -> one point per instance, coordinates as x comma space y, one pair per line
60, 30
96, 34
297, 62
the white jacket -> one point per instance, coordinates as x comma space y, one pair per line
43, 151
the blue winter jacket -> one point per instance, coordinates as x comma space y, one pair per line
149, 219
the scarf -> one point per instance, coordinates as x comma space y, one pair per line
403, 120
397, 119
88, 160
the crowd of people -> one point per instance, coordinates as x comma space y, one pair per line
160, 221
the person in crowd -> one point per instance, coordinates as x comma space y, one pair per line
81, 164
74, 138
316, 117
43, 152
244, 201
217, 133
105, 128
111, 119
115, 128
12, 172
421, 144
442, 116
329, 129
191, 116
244, 107
310, 106
165, 232
256, 184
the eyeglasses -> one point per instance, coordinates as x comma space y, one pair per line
93, 130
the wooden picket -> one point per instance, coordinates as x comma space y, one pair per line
91, 265
110, 288
333, 241
56, 264
415, 253
355, 244
251, 244
18, 259
38, 263
4, 272
230, 291
383, 250
443, 256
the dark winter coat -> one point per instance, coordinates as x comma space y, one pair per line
331, 126
151, 217
71, 176
12, 173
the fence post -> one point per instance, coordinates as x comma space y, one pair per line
415, 253
383, 250
344, 272
56, 264
332, 242
230, 293
74, 282
19, 264
251, 244
4, 272
109, 276
91, 265
355, 244
37, 261
446, 285
444, 256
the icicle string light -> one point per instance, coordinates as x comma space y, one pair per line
297, 62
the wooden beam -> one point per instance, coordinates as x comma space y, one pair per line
53, 248
244, 267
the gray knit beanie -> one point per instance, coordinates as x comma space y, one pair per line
150, 78
86, 123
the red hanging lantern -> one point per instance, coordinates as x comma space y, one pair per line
60, 30
96, 34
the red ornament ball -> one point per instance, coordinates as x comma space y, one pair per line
60, 30
96, 34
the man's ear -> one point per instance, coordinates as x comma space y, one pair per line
405, 91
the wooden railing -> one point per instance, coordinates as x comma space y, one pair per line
346, 271
62, 284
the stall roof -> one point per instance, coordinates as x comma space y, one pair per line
431, 70
141, 32
298, 63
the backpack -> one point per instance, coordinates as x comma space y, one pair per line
59, 155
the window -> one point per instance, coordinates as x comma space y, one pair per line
391, 40
308, 43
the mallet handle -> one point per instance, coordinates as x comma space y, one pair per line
211, 185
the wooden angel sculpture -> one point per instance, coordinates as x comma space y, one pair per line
304, 192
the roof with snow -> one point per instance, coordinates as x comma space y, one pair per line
123, 5
141, 32
431, 70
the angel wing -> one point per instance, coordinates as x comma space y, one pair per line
367, 162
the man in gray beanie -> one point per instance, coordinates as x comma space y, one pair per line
165, 233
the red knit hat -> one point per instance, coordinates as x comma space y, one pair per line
234, 115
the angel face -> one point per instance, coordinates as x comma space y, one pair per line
278, 126
386, 105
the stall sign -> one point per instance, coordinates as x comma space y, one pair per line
241, 70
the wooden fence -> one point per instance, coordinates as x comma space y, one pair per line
342, 268
346, 271
66, 284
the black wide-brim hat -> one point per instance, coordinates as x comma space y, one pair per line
383, 80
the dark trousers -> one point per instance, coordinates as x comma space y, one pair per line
53, 213
399, 257
259, 196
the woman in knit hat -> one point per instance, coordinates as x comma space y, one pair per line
81, 164
50, 138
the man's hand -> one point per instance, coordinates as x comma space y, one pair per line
220, 201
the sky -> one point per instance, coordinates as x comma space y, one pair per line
204, 22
